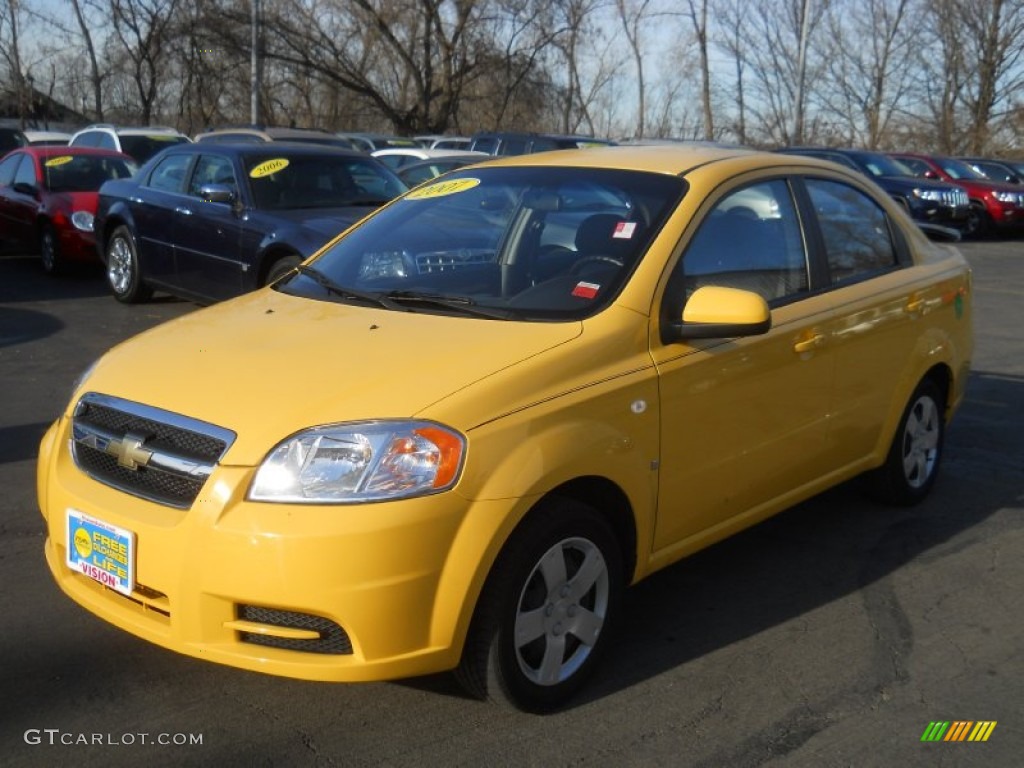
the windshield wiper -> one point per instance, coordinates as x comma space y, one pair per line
346, 293
459, 303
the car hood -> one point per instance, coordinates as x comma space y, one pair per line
907, 183
325, 221
267, 364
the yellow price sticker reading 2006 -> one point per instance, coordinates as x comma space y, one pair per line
268, 168
442, 188
55, 161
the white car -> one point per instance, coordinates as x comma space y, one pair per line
398, 157
139, 143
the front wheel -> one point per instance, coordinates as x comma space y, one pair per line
912, 464
49, 250
124, 276
281, 267
978, 223
546, 612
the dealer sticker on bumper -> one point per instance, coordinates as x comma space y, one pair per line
101, 551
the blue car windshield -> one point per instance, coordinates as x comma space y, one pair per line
280, 180
541, 243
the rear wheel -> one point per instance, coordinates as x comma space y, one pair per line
545, 615
124, 275
912, 464
49, 249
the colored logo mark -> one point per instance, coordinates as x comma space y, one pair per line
959, 730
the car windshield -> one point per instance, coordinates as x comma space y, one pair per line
282, 181
958, 169
144, 147
533, 243
883, 165
83, 173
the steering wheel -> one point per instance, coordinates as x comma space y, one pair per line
577, 267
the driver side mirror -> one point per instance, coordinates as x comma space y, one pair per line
24, 188
716, 312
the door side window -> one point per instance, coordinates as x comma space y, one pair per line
7, 169
751, 240
169, 174
26, 172
857, 233
212, 169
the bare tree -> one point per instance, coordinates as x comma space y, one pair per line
10, 49
730, 18
95, 75
633, 16
145, 28
698, 14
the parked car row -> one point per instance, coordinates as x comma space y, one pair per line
940, 190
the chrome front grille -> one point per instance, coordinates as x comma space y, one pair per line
956, 198
145, 451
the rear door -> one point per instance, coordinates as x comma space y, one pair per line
154, 205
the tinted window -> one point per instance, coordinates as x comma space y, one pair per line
485, 145
751, 240
144, 147
282, 181
170, 173
87, 139
11, 138
857, 233
81, 173
918, 167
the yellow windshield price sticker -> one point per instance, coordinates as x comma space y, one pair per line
442, 188
268, 168
53, 162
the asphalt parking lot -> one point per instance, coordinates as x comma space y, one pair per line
831, 635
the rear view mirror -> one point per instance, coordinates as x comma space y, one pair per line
716, 312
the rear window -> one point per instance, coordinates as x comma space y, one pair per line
83, 173
144, 147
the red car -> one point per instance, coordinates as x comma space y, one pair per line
48, 200
995, 205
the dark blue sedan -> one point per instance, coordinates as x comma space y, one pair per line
210, 221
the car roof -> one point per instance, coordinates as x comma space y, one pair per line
132, 130
673, 160
61, 150
263, 148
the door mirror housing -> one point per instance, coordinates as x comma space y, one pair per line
717, 312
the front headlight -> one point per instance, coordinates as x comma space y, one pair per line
927, 194
1007, 197
82, 220
367, 461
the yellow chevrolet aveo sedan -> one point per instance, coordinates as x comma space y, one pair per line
451, 438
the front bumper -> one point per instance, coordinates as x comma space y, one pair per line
381, 591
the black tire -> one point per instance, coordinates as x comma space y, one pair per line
282, 267
124, 275
978, 223
563, 613
49, 250
910, 469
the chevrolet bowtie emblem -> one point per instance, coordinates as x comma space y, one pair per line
129, 452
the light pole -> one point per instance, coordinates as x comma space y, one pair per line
255, 64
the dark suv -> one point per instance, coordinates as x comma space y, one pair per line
995, 205
11, 138
925, 200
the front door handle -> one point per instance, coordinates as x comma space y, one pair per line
809, 344
183, 211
